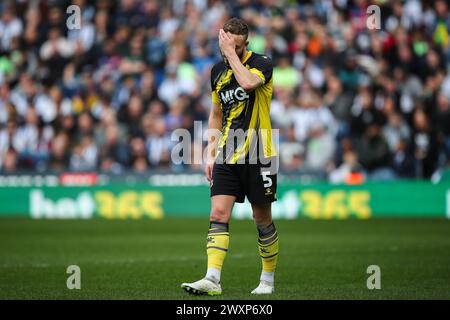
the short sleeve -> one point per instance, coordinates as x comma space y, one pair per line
215, 97
263, 68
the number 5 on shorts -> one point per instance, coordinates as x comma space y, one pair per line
266, 179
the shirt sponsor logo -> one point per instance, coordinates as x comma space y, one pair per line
230, 96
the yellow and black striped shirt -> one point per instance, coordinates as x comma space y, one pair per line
248, 111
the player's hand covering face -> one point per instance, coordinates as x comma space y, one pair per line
231, 44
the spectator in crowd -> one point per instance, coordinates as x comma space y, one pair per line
59, 152
320, 148
157, 141
35, 138
403, 162
309, 113
9, 140
285, 75
10, 161
10, 27
85, 155
374, 155
56, 52
138, 155
349, 166
114, 149
338, 101
395, 130
364, 113
424, 144
442, 122
292, 152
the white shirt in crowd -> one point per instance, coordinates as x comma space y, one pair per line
304, 119
8, 31
64, 48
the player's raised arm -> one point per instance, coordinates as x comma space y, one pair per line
247, 80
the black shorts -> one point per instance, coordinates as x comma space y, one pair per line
252, 180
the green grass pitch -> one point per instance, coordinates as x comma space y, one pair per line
150, 259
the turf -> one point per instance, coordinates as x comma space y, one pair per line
150, 259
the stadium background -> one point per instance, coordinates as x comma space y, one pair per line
86, 117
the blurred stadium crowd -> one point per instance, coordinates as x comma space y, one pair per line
108, 95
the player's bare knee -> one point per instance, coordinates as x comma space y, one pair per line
219, 214
262, 215
262, 219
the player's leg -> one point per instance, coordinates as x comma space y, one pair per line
261, 191
268, 247
218, 235
225, 190
216, 247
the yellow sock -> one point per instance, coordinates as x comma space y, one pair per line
268, 247
217, 244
